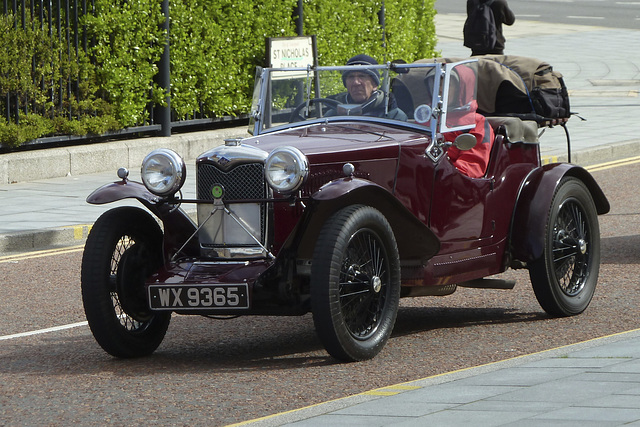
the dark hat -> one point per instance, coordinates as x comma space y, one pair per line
363, 59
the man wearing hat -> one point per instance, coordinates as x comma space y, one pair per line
362, 88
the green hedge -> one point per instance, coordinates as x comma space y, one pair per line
215, 47
347, 28
37, 72
128, 43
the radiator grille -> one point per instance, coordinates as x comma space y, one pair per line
243, 182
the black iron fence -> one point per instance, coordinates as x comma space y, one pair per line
57, 24
59, 20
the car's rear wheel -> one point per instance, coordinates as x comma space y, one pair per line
122, 250
355, 283
564, 278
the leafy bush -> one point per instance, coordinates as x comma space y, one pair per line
37, 72
28, 56
215, 46
408, 33
33, 126
128, 43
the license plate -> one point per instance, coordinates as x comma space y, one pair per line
198, 297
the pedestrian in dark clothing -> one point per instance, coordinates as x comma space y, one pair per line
502, 15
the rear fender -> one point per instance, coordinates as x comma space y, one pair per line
531, 214
415, 240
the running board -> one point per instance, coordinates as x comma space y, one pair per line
488, 284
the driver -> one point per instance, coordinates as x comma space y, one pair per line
362, 88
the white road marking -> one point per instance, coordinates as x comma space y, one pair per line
43, 331
585, 17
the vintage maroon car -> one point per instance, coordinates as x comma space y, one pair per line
341, 208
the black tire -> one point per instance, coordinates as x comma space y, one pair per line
355, 283
122, 250
564, 278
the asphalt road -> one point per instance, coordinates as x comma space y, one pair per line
213, 372
603, 13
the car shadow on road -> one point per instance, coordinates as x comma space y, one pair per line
620, 249
413, 320
194, 345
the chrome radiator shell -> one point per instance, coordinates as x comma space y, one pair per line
241, 175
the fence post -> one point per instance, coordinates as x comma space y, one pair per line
163, 113
300, 19
381, 19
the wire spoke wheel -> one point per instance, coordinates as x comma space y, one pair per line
355, 283
564, 278
123, 248
570, 248
124, 317
364, 278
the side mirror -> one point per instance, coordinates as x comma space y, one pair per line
465, 141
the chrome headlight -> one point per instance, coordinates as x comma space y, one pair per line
286, 169
163, 172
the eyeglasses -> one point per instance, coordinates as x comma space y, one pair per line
355, 75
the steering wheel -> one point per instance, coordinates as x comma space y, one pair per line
296, 116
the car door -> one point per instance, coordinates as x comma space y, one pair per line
458, 208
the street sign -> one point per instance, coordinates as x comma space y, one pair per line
291, 52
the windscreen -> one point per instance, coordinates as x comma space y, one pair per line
424, 94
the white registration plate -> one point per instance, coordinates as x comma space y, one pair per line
198, 297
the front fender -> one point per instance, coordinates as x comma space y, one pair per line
341, 187
531, 214
122, 190
415, 240
178, 226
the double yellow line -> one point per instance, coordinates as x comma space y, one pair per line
613, 164
40, 254
601, 166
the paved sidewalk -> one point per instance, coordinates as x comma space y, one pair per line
53, 212
594, 383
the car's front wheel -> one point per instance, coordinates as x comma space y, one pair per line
564, 278
355, 283
122, 250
